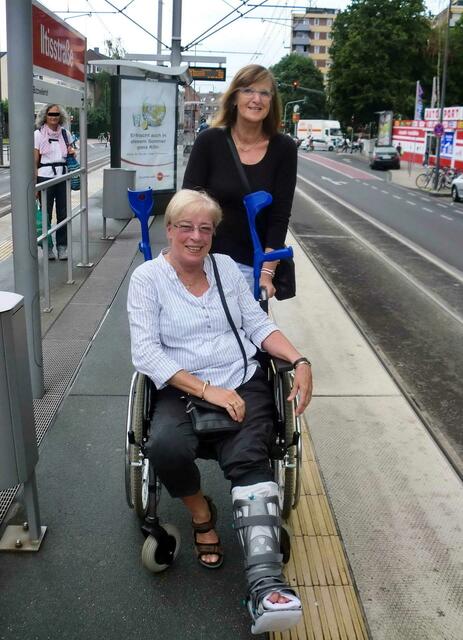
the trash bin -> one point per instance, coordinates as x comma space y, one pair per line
115, 184
18, 443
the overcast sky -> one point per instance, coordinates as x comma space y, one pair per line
262, 36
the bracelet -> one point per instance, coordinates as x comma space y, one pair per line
204, 389
269, 271
302, 360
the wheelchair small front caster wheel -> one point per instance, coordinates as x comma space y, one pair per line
159, 553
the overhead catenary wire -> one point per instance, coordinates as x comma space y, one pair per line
137, 24
200, 39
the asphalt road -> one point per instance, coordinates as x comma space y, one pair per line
393, 257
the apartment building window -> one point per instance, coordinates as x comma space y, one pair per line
316, 35
329, 22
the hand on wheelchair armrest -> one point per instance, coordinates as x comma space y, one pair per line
302, 387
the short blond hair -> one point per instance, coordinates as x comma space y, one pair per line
193, 201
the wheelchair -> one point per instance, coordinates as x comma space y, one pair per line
143, 487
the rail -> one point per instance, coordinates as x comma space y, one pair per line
42, 240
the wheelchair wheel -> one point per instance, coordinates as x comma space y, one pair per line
136, 466
287, 470
159, 553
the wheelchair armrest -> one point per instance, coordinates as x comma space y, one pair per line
282, 366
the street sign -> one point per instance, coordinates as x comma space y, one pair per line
217, 74
439, 129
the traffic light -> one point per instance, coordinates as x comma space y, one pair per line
295, 84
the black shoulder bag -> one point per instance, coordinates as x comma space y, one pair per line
208, 418
284, 279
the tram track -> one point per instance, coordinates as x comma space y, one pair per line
408, 308
5, 199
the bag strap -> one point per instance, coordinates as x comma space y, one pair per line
238, 163
227, 313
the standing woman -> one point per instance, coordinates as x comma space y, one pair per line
250, 113
51, 147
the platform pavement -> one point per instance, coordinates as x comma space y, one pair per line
397, 503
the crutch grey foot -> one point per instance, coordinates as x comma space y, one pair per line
273, 605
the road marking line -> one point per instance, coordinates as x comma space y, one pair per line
410, 202
366, 184
429, 210
383, 191
444, 206
397, 197
373, 186
425, 199
453, 271
409, 193
446, 217
458, 275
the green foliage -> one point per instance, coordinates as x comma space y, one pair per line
114, 49
99, 113
295, 67
454, 93
378, 52
98, 120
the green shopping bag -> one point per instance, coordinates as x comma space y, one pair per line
38, 222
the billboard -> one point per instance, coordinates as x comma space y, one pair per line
384, 129
57, 49
148, 132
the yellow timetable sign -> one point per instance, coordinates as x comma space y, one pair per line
218, 74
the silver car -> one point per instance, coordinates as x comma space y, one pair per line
457, 188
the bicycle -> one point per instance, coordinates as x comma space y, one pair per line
423, 180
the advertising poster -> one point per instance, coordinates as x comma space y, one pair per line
446, 144
385, 129
148, 129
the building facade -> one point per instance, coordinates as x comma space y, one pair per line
311, 35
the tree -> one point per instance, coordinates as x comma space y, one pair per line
378, 53
294, 73
454, 92
114, 49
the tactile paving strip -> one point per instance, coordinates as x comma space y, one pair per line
61, 360
318, 568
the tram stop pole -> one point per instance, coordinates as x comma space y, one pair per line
22, 179
18, 442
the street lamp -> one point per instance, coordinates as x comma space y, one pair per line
442, 95
287, 104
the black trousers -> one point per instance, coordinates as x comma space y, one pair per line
56, 193
243, 456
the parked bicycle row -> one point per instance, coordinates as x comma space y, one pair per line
444, 178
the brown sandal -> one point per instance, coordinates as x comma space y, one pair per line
208, 548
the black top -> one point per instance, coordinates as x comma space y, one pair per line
211, 167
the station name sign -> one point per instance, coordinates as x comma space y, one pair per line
56, 47
217, 74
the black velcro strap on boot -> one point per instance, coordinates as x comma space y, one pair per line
252, 521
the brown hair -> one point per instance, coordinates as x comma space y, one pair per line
245, 77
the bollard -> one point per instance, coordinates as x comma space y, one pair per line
115, 205
18, 442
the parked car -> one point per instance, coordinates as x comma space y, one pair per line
457, 188
385, 158
317, 144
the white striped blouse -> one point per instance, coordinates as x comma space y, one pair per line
171, 329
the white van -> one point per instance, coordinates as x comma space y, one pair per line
327, 130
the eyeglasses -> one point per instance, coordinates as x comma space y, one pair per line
249, 92
187, 228
53, 114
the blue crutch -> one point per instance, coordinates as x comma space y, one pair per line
254, 203
142, 205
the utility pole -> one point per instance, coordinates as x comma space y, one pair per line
443, 90
159, 27
22, 179
176, 53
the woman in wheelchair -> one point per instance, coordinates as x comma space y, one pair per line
181, 338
